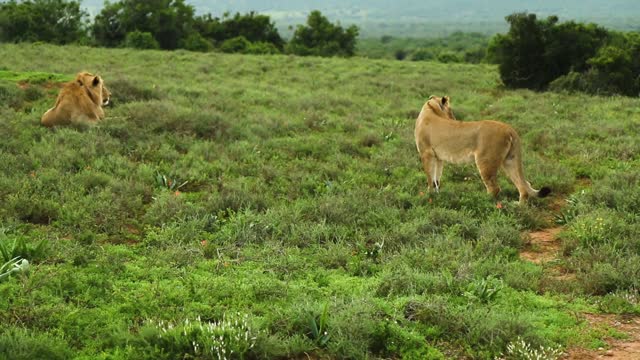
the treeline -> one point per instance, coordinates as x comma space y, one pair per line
544, 54
169, 25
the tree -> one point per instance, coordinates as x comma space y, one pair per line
108, 27
319, 37
170, 21
520, 53
54, 21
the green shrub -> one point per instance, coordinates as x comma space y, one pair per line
33, 93
230, 336
196, 42
124, 91
448, 57
35, 210
262, 48
400, 54
422, 54
12, 246
521, 350
390, 338
11, 95
235, 45
22, 344
141, 40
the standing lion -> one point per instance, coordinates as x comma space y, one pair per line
80, 100
490, 144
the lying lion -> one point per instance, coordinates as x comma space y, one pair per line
80, 100
491, 144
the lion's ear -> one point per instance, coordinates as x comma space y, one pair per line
445, 100
434, 107
96, 81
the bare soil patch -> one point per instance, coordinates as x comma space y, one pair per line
543, 246
621, 349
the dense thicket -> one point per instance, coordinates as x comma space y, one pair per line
538, 53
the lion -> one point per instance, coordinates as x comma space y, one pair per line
79, 101
490, 144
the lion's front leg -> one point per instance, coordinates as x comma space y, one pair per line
438, 173
429, 164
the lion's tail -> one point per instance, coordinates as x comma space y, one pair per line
516, 173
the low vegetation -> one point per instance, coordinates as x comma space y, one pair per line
457, 47
246, 206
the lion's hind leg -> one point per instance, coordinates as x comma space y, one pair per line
489, 174
513, 169
47, 118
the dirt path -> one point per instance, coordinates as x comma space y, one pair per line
543, 248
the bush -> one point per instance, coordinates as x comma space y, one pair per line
422, 54
141, 40
400, 54
262, 48
475, 55
572, 82
20, 344
235, 45
196, 42
232, 336
126, 91
10, 95
448, 57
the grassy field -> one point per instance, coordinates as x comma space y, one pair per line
274, 207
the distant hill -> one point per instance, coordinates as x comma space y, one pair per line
424, 17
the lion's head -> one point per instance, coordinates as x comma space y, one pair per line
442, 106
95, 88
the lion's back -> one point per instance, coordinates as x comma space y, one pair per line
70, 103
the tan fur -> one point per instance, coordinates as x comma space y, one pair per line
79, 101
490, 144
